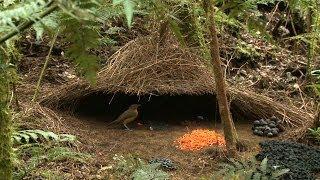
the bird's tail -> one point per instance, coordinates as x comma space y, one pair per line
113, 123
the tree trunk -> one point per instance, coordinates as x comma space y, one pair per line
228, 125
5, 126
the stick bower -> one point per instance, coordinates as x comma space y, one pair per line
143, 67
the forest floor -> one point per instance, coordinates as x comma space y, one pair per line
269, 78
98, 139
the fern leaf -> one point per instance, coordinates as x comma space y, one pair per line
264, 165
106, 12
128, 10
24, 137
83, 37
128, 6
17, 139
21, 11
33, 136
49, 22
49, 135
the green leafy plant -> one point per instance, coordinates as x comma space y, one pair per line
135, 168
30, 153
19, 16
16, 12
247, 49
149, 172
315, 133
79, 22
128, 6
248, 170
32, 136
31, 156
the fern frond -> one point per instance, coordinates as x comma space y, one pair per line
128, 6
249, 169
21, 11
31, 136
106, 11
49, 23
32, 155
83, 37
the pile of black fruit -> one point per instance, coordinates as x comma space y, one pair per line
165, 163
302, 160
267, 127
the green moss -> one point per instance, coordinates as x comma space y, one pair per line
5, 143
5, 124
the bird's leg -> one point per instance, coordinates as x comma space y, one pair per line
127, 127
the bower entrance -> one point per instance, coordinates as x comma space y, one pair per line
154, 110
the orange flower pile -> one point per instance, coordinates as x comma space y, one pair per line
199, 139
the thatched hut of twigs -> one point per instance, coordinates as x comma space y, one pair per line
143, 68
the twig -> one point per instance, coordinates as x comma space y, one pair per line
301, 96
292, 25
44, 67
272, 15
113, 147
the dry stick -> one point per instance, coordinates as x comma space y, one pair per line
29, 23
303, 101
272, 15
292, 25
44, 67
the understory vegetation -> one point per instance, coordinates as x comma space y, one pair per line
270, 47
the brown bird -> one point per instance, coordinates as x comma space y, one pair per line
126, 117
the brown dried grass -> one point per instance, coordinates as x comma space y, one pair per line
258, 106
142, 67
35, 116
